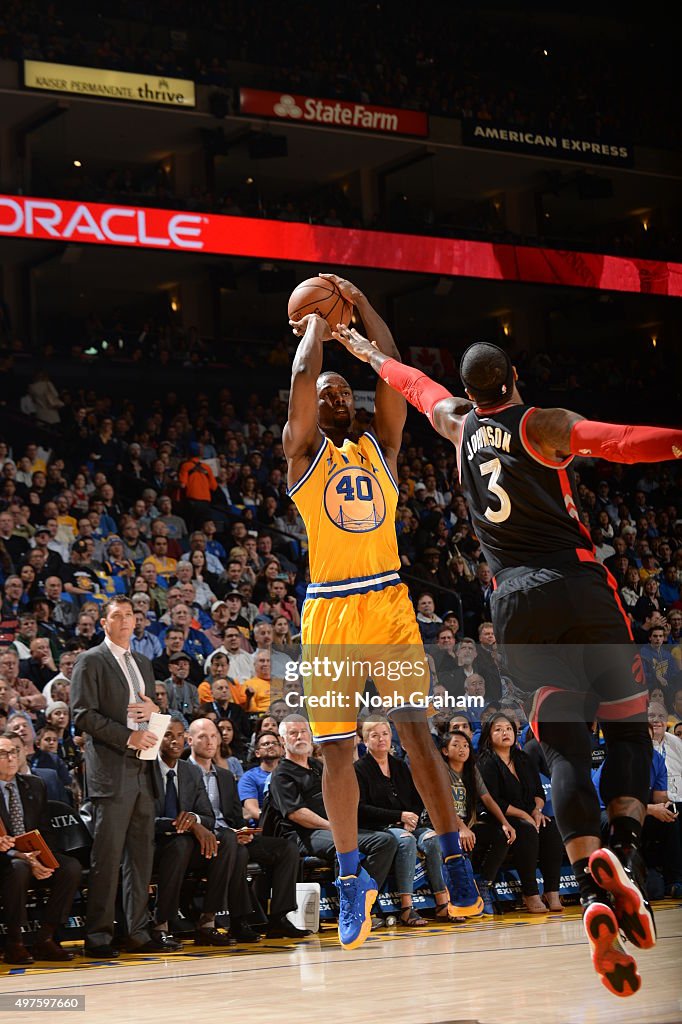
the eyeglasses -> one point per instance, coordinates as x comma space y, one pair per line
6, 754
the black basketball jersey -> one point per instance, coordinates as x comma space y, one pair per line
524, 509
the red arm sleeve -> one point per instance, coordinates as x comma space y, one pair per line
617, 443
415, 386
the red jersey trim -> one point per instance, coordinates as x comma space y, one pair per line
628, 707
589, 556
492, 408
534, 454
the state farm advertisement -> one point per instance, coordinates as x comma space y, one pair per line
64, 221
337, 113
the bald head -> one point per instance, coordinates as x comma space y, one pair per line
199, 724
330, 378
204, 739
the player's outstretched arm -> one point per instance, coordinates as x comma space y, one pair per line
390, 410
301, 436
558, 433
444, 411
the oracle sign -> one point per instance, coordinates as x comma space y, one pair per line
57, 220
94, 222
339, 113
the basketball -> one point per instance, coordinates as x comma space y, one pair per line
319, 296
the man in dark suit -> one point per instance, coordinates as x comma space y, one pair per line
185, 840
23, 807
54, 786
280, 858
111, 699
476, 598
468, 660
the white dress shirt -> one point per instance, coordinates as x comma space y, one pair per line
240, 665
118, 653
210, 779
164, 775
670, 748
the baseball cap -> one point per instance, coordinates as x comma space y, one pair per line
179, 656
235, 593
79, 546
449, 612
41, 529
216, 605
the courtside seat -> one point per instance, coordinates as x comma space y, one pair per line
315, 869
70, 831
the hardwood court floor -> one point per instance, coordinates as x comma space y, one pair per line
513, 970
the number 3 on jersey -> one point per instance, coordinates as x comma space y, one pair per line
493, 468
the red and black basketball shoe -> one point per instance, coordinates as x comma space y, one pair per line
621, 873
616, 968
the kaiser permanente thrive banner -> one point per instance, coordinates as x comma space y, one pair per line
60, 220
113, 85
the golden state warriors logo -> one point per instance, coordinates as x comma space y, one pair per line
354, 501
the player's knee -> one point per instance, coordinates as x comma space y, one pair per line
634, 733
414, 732
337, 752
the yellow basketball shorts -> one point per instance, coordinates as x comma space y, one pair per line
348, 638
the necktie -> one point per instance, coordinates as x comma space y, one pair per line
132, 675
16, 812
170, 804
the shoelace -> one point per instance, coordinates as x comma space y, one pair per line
460, 891
347, 908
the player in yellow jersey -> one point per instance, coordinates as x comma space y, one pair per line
357, 612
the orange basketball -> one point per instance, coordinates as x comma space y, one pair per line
319, 296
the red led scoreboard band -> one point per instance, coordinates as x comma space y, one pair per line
61, 220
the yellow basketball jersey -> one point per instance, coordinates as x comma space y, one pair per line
347, 499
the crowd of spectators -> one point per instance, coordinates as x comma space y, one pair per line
181, 505
549, 75
329, 205
560, 73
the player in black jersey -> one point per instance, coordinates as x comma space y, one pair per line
556, 610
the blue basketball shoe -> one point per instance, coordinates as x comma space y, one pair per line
357, 894
465, 899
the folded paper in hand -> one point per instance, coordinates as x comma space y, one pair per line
156, 727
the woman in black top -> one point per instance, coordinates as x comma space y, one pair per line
389, 801
514, 783
650, 602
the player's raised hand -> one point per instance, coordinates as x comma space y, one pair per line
350, 292
361, 348
314, 320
